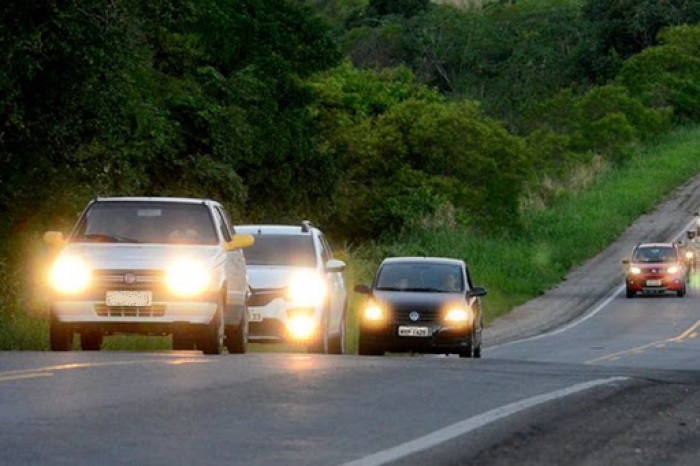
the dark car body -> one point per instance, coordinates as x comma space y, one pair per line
411, 308
655, 268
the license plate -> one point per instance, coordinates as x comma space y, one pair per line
409, 331
254, 316
128, 298
653, 282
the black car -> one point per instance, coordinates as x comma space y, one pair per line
422, 305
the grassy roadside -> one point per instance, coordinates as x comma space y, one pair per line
513, 269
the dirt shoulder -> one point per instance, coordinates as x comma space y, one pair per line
598, 278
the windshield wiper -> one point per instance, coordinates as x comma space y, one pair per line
104, 238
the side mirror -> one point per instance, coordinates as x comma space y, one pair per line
239, 242
477, 291
362, 289
54, 238
335, 265
625, 261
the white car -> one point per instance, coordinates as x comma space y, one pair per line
297, 288
154, 266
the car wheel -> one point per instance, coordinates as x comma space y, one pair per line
477, 352
91, 341
465, 354
182, 342
237, 336
365, 349
60, 336
212, 341
337, 344
630, 293
681, 292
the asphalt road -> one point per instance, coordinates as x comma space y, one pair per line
579, 376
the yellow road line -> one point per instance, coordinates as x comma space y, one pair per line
658, 343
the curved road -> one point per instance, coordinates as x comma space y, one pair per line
608, 381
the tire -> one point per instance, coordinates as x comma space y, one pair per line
681, 292
60, 336
182, 342
477, 352
337, 344
212, 340
630, 294
237, 336
465, 354
91, 341
364, 349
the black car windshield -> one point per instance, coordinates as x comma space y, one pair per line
146, 222
655, 255
284, 250
412, 276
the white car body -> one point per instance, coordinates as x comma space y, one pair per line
273, 314
129, 285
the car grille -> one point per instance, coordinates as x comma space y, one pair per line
142, 279
157, 310
261, 298
424, 315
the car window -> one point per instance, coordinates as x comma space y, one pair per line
146, 222
224, 226
282, 250
655, 255
326, 253
420, 277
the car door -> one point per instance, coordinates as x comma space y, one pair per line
235, 270
336, 288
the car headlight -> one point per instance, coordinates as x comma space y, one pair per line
458, 315
373, 313
187, 278
300, 323
635, 270
306, 289
673, 269
70, 275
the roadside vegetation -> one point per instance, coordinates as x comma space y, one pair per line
519, 136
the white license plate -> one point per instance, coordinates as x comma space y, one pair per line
128, 298
653, 282
409, 331
254, 316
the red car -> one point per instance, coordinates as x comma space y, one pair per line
655, 268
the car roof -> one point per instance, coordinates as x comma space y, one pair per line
272, 229
655, 245
418, 259
179, 200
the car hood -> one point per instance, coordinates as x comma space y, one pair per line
271, 277
399, 299
142, 256
653, 265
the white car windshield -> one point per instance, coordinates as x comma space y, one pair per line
282, 250
146, 222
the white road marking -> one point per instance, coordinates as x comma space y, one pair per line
9, 378
473, 423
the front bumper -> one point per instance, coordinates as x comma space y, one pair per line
273, 322
441, 338
156, 319
655, 284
